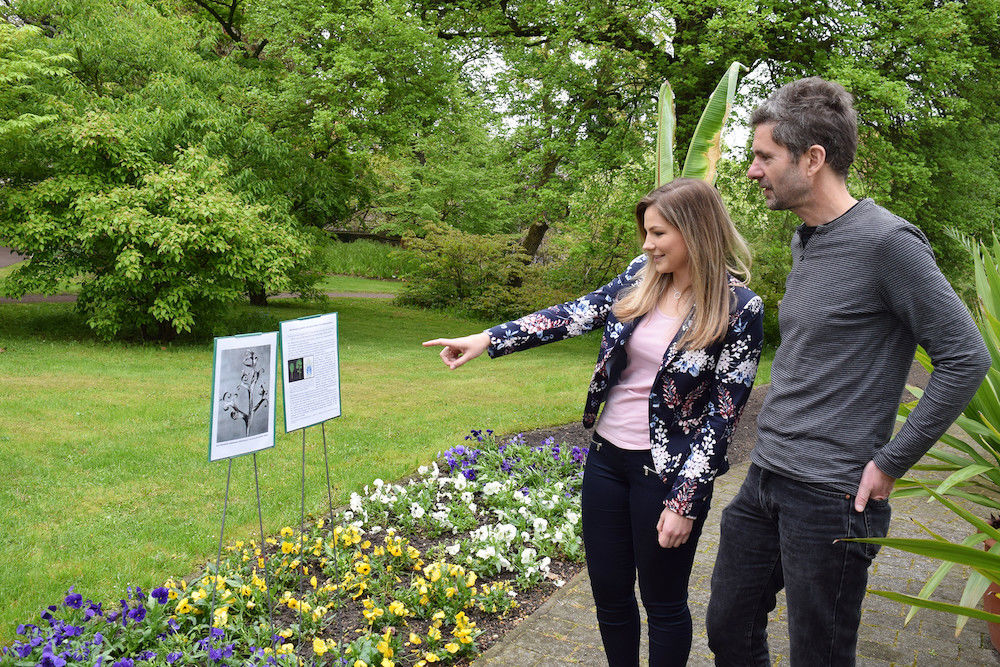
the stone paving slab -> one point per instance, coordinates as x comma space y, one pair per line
563, 631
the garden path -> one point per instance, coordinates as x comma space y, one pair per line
563, 631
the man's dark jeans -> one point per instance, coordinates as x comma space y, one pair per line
779, 533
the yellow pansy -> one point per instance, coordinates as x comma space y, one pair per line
319, 646
451, 647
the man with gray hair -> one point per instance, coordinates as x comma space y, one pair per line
862, 293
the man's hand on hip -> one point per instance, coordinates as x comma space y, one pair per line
875, 484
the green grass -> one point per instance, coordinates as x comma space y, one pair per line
103, 447
356, 284
764, 367
366, 258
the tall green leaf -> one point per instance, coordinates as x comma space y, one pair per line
666, 126
706, 144
939, 606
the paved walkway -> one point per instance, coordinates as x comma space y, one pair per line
563, 631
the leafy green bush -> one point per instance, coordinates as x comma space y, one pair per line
160, 246
485, 276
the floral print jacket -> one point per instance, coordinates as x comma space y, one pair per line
696, 398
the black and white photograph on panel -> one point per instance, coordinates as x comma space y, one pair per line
243, 395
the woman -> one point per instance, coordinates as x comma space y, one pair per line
682, 337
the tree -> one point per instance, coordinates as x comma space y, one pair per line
926, 78
580, 79
133, 119
162, 247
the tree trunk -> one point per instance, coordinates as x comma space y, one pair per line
258, 297
533, 239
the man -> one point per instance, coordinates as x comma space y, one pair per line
863, 292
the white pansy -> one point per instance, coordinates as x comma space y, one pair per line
492, 488
416, 511
528, 556
540, 524
506, 532
453, 549
355, 502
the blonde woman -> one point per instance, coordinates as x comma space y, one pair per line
682, 338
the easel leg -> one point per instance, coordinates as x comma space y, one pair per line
218, 559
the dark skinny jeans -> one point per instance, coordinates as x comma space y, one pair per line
622, 501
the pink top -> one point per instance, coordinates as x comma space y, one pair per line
624, 420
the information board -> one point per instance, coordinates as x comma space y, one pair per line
310, 370
244, 380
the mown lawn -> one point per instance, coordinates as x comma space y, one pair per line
103, 447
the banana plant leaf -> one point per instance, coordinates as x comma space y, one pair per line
666, 127
706, 144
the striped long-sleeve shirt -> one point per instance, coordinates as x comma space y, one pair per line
861, 295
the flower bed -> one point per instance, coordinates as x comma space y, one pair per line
408, 575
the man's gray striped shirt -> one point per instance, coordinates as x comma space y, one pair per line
861, 295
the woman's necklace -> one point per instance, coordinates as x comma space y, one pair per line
678, 296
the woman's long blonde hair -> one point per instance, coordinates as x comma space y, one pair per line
714, 247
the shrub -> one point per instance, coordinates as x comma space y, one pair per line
159, 247
485, 276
